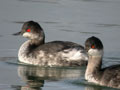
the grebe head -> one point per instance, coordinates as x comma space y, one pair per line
94, 46
31, 30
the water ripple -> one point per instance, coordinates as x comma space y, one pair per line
40, 1
113, 58
47, 22
18, 22
1, 35
101, 1
109, 61
108, 25
79, 31
7, 58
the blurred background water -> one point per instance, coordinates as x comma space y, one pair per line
68, 20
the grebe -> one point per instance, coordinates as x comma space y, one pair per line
109, 76
56, 53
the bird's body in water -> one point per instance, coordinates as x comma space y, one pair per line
56, 53
109, 76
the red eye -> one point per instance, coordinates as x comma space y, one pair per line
93, 46
28, 30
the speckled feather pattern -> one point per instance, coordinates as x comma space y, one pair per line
111, 76
57, 53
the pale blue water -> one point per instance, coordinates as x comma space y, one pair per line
69, 20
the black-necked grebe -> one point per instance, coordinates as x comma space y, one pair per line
109, 76
56, 53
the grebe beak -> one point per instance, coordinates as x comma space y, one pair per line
18, 33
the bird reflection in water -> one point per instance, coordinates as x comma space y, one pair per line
35, 77
30, 77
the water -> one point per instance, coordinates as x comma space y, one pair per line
69, 20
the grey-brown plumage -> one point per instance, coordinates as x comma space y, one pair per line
56, 53
109, 76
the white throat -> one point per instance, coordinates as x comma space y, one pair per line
95, 52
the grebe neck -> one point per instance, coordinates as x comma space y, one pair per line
37, 42
93, 70
33, 44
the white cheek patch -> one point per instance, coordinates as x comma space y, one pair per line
26, 34
95, 52
30, 35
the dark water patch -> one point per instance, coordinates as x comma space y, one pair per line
40, 1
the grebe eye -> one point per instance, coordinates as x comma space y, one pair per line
93, 47
28, 30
